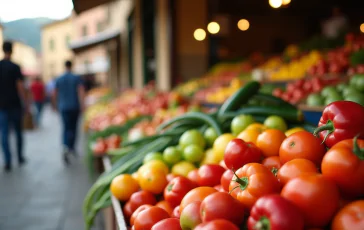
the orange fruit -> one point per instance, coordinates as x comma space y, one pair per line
269, 142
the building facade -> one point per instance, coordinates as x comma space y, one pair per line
1, 35
56, 38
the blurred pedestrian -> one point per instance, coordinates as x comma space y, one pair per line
49, 89
69, 94
335, 25
13, 99
39, 95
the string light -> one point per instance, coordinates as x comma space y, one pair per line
199, 34
213, 27
275, 3
243, 24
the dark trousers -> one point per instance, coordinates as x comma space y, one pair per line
70, 122
38, 107
12, 118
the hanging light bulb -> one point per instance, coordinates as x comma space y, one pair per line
199, 34
213, 27
275, 3
286, 2
243, 24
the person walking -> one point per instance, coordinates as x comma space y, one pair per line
38, 93
69, 94
12, 94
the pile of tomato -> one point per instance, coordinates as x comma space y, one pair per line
276, 181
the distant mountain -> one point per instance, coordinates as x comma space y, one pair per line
27, 30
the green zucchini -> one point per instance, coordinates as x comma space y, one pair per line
291, 115
197, 117
272, 100
239, 98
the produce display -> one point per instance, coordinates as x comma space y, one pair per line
244, 166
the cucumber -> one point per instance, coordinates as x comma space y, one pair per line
273, 100
197, 117
239, 98
291, 115
169, 133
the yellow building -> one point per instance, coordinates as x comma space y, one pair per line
56, 37
27, 57
1, 35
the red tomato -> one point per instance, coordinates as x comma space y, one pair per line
351, 217
196, 194
295, 168
217, 225
170, 224
222, 163
210, 175
149, 217
137, 211
304, 145
226, 179
238, 153
177, 189
306, 192
193, 176
176, 212
141, 197
273, 163
219, 205
127, 211
343, 165
100, 147
166, 206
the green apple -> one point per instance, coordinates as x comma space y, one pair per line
333, 98
328, 91
315, 100
356, 97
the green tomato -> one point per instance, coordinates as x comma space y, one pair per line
328, 90
356, 97
350, 90
172, 155
153, 156
333, 98
239, 123
340, 87
315, 100
210, 136
275, 122
193, 153
359, 83
190, 137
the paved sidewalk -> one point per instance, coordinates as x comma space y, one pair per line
44, 194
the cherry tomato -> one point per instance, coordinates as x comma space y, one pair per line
166, 206
273, 163
210, 175
153, 180
343, 165
190, 216
123, 186
193, 176
141, 197
351, 217
270, 141
226, 179
217, 225
220, 144
170, 177
170, 224
250, 135
176, 212
238, 153
251, 182
302, 144
149, 217
137, 211
295, 168
196, 194
306, 192
154, 165
219, 205
127, 211
177, 189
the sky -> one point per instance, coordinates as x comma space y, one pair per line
17, 9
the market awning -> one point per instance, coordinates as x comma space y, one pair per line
83, 5
89, 42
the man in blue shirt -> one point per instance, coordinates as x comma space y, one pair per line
69, 96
